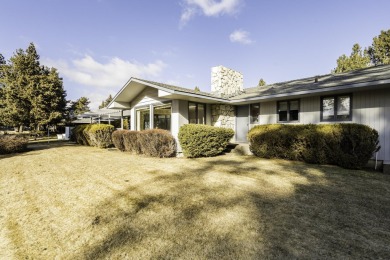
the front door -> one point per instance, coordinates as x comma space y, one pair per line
242, 123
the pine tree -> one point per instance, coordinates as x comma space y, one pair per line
357, 60
261, 83
105, 102
80, 106
379, 51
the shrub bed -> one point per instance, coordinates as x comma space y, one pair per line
346, 145
204, 140
154, 143
13, 144
98, 135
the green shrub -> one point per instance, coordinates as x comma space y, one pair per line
157, 143
154, 143
117, 140
78, 135
12, 144
204, 140
346, 145
98, 135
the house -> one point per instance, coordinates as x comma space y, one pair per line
361, 96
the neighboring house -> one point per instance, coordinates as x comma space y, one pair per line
102, 115
361, 96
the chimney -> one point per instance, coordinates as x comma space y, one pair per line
226, 82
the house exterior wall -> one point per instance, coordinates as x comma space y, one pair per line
225, 81
146, 97
179, 117
370, 108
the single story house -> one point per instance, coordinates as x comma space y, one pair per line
360, 96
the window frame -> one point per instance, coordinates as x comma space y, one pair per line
288, 111
335, 107
196, 112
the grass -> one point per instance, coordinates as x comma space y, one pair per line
72, 202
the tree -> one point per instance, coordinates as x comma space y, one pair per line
32, 95
105, 102
262, 83
357, 60
80, 106
197, 89
379, 51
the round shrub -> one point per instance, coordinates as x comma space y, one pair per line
117, 140
204, 140
12, 144
99, 135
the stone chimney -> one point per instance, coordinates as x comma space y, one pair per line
226, 82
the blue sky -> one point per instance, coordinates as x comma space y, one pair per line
97, 45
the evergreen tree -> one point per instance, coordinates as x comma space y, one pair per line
80, 106
32, 95
105, 102
261, 83
357, 60
197, 89
379, 51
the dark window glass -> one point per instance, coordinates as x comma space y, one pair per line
143, 119
283, 107
328, 108
255, 112
288, 111
162, 117
196, 113
294, 110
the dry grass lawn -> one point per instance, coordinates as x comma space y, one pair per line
74, 202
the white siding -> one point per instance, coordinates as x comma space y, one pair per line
147, 97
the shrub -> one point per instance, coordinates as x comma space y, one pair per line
204, 140
117, 140
98, 135
346, 145
12, 144
155, 143
78, 135
131, 141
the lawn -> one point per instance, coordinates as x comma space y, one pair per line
73, 202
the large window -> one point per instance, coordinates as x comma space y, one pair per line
196, 113
336, 108
162, 117
254, 113
143, 118
288, 111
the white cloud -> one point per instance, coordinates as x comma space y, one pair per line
98, 80
208, 8
240, 36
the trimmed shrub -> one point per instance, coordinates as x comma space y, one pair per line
157, 143
131, 142
346, 145
154, 143
204, 140
12, 144
98, 135
117, 140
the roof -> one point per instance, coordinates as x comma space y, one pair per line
181, 89
323, 82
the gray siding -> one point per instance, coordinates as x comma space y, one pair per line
310, 110
268, 113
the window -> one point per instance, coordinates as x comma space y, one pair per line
254, 113
162, 117
196, 113
288, 111
336, 108
143, 119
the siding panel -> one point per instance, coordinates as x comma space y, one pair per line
147, 97
268, 113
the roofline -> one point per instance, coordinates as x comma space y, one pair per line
311, 91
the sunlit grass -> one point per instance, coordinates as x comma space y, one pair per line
74, 202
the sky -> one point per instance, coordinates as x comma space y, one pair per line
98, 45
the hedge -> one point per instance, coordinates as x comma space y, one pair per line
98, 135
154, 142
13, 144
204, 140
346, 145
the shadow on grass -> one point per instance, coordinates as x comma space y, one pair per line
211, 211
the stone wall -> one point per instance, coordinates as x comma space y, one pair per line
223, 116
226, 82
